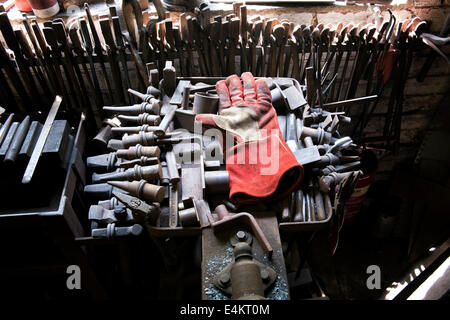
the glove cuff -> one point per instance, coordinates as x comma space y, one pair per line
262, 171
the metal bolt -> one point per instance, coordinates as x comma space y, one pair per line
225, 279
241, 235
264, 275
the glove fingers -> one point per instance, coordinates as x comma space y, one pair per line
236, 90
249, 87
224, 95
206, 119
263, 95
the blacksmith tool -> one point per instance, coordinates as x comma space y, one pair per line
101, 191
149, 173
142, 161
169, 81
103, 162
370, 88
362, 40
255, 35
282, 48
434, 41
121, 49
265, 41
141, 189
111, 231
77, 47
142, 118
50, 37
276, 43
195, 43
220, 42
111, 160
186, 39
13, 44
39, 58
332, 34
232, 44
74, 73
300, 210
179, 51
143, 138
213, 31
5, 127
427, 65
243, 39
97, 48
37, 151
217, 181
135, 129
227, 220
291, 50
16, 143
148, 97
319, 204
296, 43
141, 210
89, 50
381, 76
337, 62
351, 40
105, 134
12, 74
112, 59
34, 63
79, 84
158, 34
144, 107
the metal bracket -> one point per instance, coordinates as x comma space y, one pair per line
223, 279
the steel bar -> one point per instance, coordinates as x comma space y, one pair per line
37, 151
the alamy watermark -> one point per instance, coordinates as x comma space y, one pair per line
74, 279
374, 279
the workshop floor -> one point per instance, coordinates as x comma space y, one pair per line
357, 251
374, 238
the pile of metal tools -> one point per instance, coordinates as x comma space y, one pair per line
163, 175
32, 153
64, 58
23, 144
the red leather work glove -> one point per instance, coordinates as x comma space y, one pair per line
260, 164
